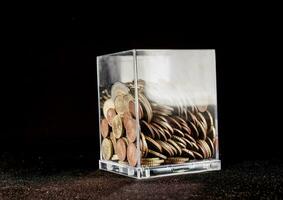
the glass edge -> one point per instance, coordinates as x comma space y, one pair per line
98, 103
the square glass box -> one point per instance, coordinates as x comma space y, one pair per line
158, 112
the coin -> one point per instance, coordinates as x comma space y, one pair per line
107, 105
190, 138
117, 127
194, 130
147, 107
150, 159
201, 118
114, 141
197, 155
111, 113
202, 108
179, 139
187, 152
107, 149
132, 109
120, 105
131, 130
104, 128
174, 122
210, 144
146, 128
132, 154
144, 144
121, 149
155, 131
211, 133
180, 144
119, 88
115, 157
153, 144
126, 117
209, 118
175, 151
172, 142
150, 162
202, 150
157, 154
201, 131
178, 159
165, 148
179, 133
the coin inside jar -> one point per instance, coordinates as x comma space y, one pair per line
111, 113
104, 128
131, 130
117, 126
107, 149
121, 148
132, 154
120, 105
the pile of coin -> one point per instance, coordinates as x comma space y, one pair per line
168, 135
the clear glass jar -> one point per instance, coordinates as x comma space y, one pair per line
158, 112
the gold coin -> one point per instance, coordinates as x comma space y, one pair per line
194, 130
180, 159
197, 155
150, 159
144, 144
107, 149
120, 106
157, 154
123, 162
187, 130
210, 144
150, 165
179, 139
147, 107
132, 154
174, 122
190, 138
187, 152
160, 131
202, 150
104, 128
202, 108
192, 117
165, 147
114, 141
115, 157
107, 105
181, 145
201, 131
121, 149
119, 88
175, 151
207, 148
147, 162
202, 119
209, 118
155, 131
179, 133
146, 128
172, 142
153, 144
117, 127
211, 133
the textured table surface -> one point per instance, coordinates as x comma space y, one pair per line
256, 179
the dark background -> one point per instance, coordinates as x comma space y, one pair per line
49, 94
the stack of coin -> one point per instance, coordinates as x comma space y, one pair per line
168, 135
